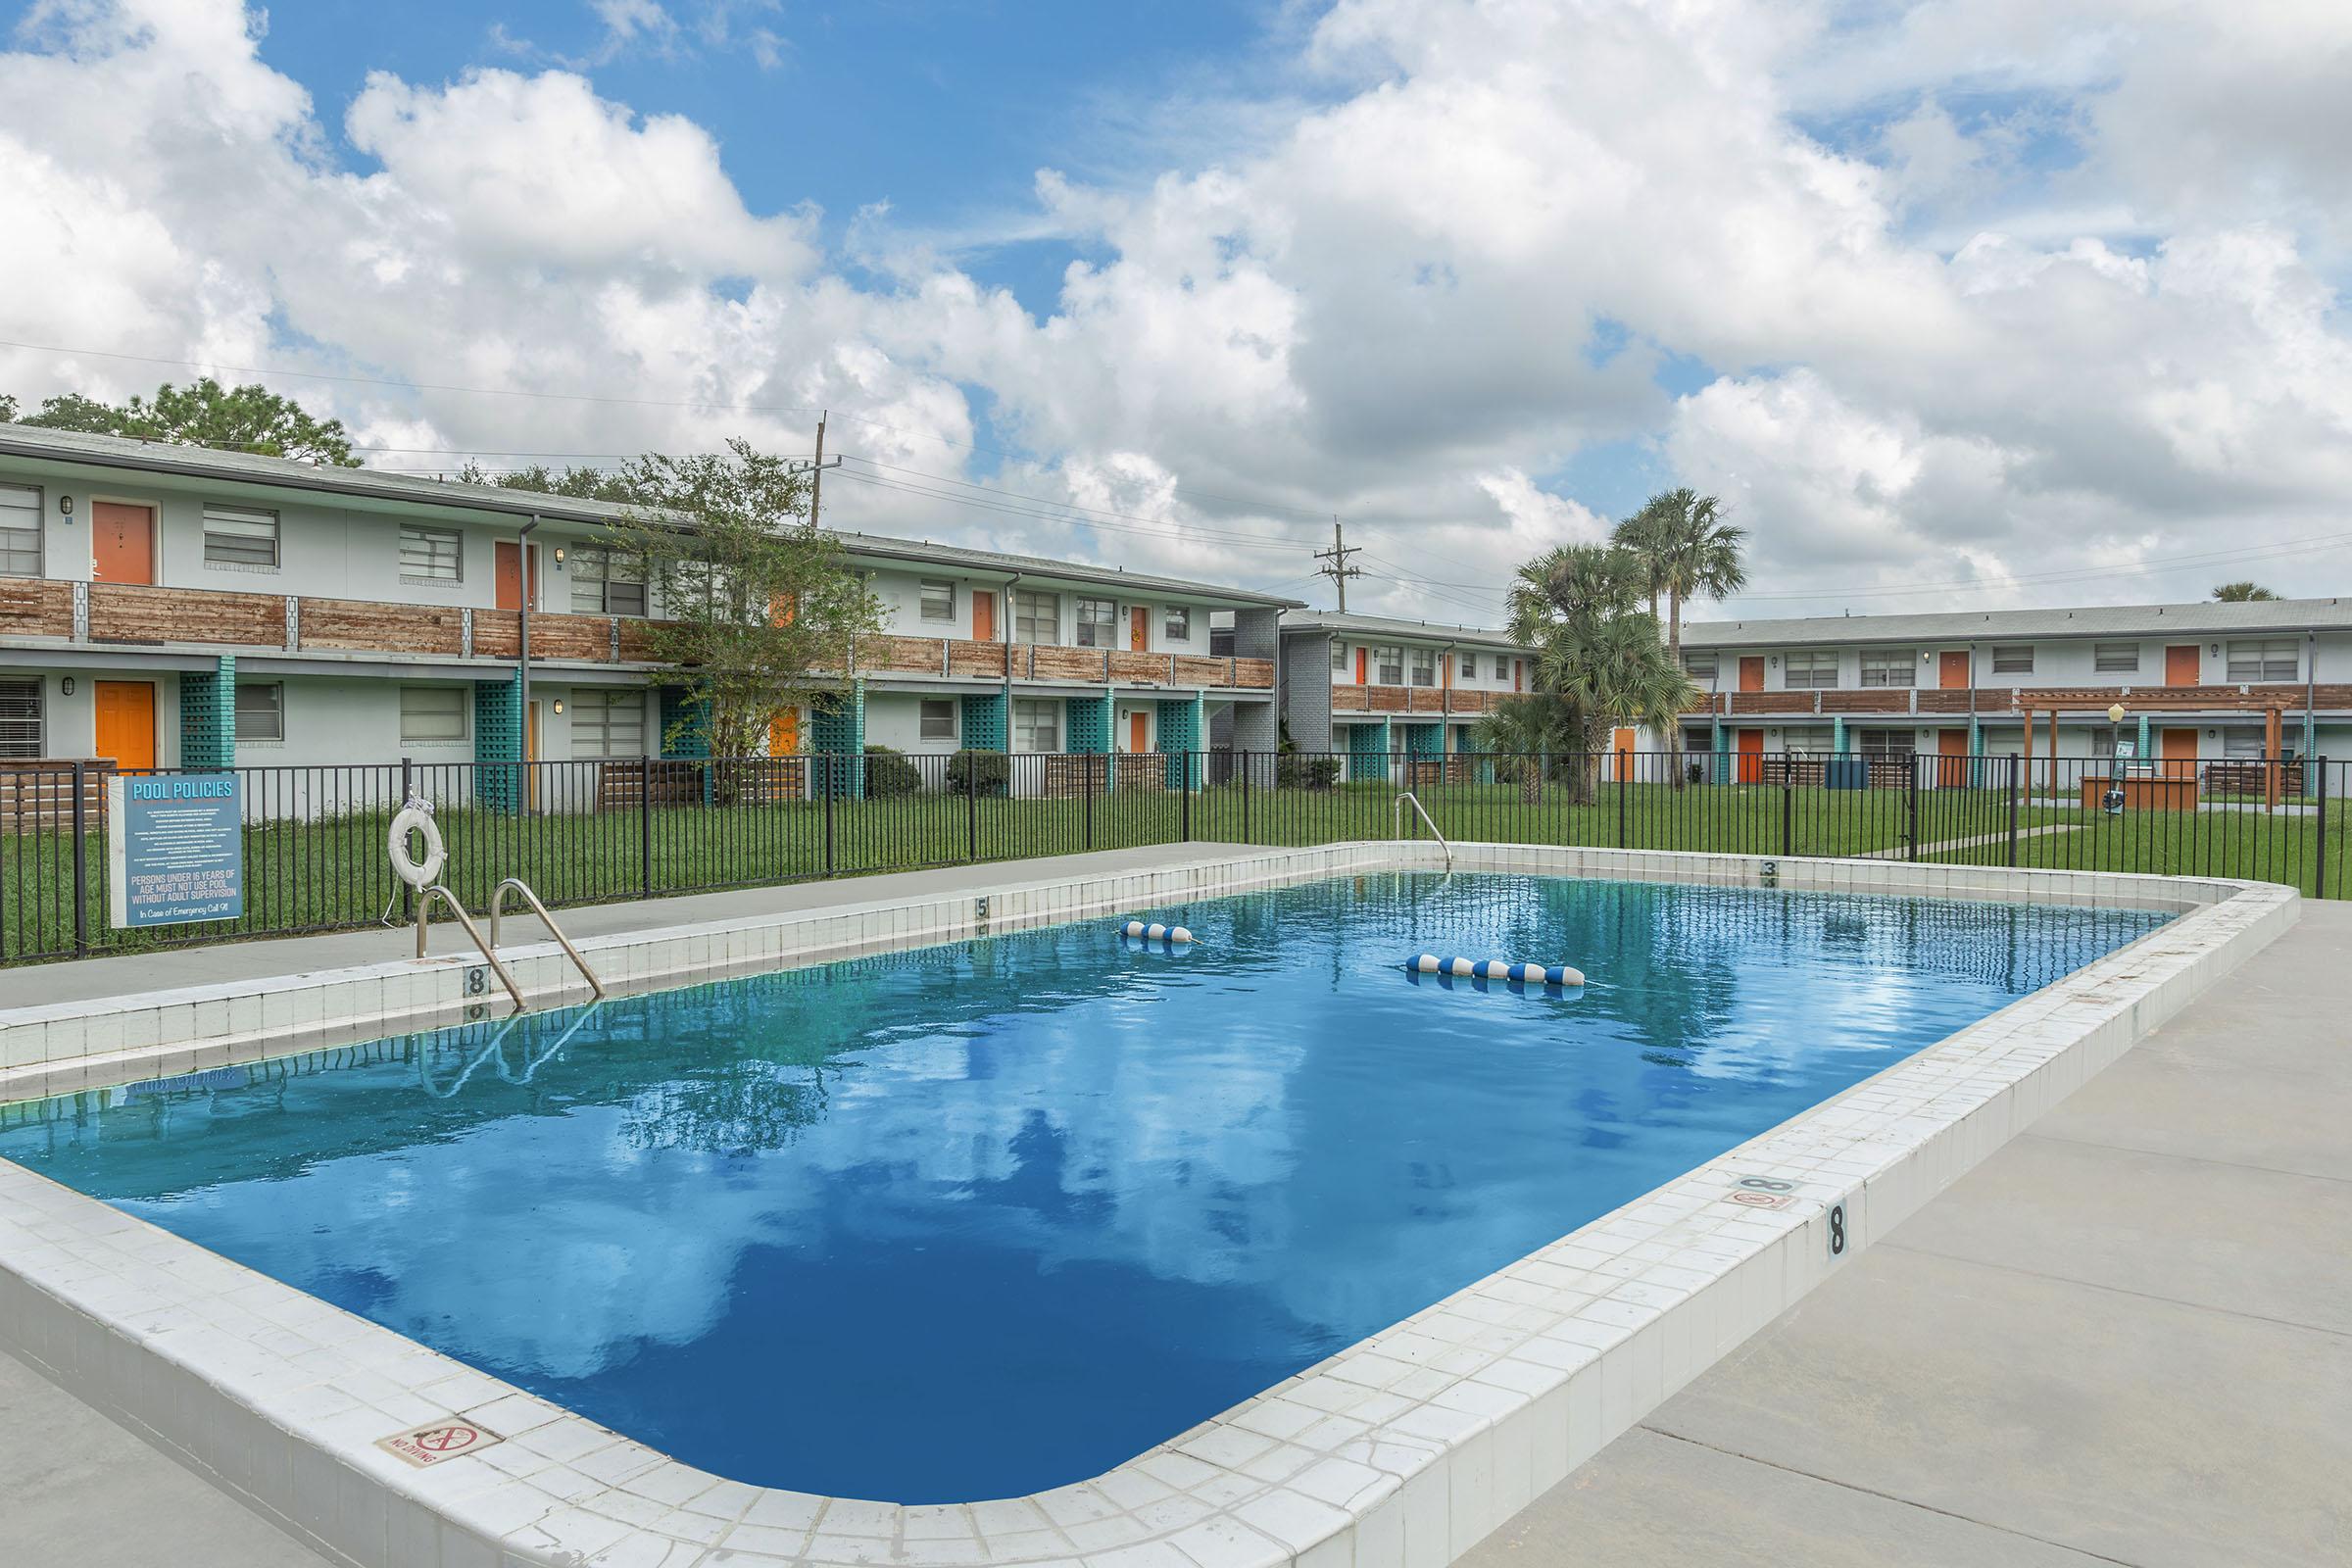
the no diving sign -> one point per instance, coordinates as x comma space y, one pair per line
436, 1440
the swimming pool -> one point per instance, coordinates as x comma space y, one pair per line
974, 1220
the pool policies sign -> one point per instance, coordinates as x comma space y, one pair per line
176, 850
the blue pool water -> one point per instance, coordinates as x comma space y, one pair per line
978, 1221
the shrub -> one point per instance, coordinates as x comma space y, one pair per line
1294, 771
888, 772
979, 773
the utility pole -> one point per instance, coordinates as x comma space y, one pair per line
816, 470
1338, 571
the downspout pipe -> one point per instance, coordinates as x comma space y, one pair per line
1007, 635
523, 669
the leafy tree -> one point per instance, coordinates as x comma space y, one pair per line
582, 484
2241, 593
1682, 546
245, 418
758, 606
8, 409
1579, 609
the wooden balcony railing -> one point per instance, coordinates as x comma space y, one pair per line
1345, 699
127, 615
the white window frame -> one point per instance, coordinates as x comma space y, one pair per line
1388, 666
2262, 661
241, 548
21, 543
2115, 659
1421, 668
1465, 665
2013, 659
1886, 743
1339, 669
1036, 610
24, 703
420, 554
1176, 622
274, 710
1809, 740
924, 599
1091, 618
1817, 663
937, 725
420, 719
600, 739
1701, 663
1889, 666
1035, 718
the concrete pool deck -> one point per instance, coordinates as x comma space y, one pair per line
2224, 1429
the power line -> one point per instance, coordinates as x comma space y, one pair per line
1336, 565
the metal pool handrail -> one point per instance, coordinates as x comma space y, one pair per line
1397, 823
498, 904
424, 913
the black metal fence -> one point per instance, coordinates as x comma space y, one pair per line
582, 832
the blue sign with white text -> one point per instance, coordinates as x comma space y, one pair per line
177, 849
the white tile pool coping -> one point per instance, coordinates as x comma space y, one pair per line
1401, 1451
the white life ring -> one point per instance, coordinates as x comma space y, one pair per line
417, 817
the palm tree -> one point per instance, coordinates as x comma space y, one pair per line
1525, 735
1578, 610
1683, 546
2241, 593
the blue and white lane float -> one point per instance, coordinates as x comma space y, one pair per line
1526, 974
1174, 935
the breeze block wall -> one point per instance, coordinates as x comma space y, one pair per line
208, 716
1368, 751
497, 741
837, 726
984, 721
1179, 729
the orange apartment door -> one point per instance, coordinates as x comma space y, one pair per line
984, 618
1951, 671
2178, 749
1952, 746
125, 711
1622, 742
784, 733
1139, 628
2181, 668
1752, 679
1752, 756
506, 562
1139, 732
1360, 666
122, 543
1518, 674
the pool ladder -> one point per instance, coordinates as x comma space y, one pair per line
1395, 827
489, 949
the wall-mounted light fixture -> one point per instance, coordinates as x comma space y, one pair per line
559, 558
558, 705
65, 506
2215, 650
66, 686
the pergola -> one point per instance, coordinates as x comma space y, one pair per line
2271, 705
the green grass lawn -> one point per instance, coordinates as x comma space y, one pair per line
331, 875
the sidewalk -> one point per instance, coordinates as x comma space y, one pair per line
2125, 1337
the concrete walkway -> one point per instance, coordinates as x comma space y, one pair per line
90, 979
2127, 1338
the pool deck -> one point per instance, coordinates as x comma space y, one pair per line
2125, 1337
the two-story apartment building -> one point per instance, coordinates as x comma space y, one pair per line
1370, 686
175, 606
2198, 682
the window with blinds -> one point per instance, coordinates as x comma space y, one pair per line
2013, 659
605, 582
1889, 666
431, 554
2263, 658
937, 599
1809, 668
1037, 726
261, 713
2115, 659
239, 536
1035, 617
1388, 667
20, 720
433, 714
1425, 667
1098, 623
20, 531
1699, 664
607, 724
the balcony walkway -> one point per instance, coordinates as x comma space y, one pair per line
2127, 1338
